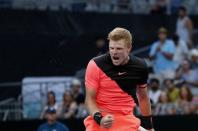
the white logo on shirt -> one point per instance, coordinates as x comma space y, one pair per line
121, 73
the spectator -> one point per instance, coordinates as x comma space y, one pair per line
52, 124
193, 59
189, 76
76, 91
164, 107
181, 51
81, 110
68, 108
184, 103
172, 90
184, 26
161, 53
51, 102
154, 91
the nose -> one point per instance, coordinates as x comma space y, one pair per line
114, 51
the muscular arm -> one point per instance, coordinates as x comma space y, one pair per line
90, 100
145, 107
144, 101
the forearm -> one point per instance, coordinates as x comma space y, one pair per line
145, 108
70, 113
145, 105
168, 55
91, 105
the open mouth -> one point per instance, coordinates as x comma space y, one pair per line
115, 58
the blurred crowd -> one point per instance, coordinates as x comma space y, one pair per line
72, 105
173, 62
113, 6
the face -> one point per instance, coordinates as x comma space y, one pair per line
194, 58
186, 66
163, 97
181, 13
169, 84
154, 86
51, 117
76, 88
51, 99
184, 92
162, 36
119, 52
67, 97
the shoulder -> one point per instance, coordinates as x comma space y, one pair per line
42, 126
170, 42
138, 61
102, 58
56, 105
99, 59
187, 19
104, 62
46, 107
73, 104
155, 44
62, 126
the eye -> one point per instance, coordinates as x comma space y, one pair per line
119, 48
111, 48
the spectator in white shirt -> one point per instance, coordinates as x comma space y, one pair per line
181, 51
154, 91
184, 26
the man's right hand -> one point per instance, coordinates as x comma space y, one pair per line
107, 121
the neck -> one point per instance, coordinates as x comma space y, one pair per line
51, 122
126, 60
51, 104
182, 16
162, 41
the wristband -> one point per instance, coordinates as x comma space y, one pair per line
97, 117
147, 122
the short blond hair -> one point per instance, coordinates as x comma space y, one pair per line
121, 34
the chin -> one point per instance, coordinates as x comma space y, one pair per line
116, 64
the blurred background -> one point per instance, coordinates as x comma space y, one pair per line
45, 46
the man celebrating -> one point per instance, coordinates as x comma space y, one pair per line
112, 81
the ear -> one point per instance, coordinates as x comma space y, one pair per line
129, 49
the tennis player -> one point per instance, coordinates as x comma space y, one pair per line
112, 81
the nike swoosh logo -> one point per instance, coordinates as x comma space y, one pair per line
121, 73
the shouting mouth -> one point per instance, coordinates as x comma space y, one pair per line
115, 58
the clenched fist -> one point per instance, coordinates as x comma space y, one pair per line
107, 121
